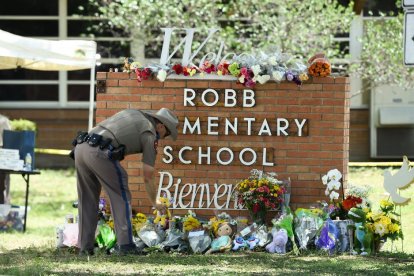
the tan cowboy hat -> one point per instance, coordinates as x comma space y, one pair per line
168, 119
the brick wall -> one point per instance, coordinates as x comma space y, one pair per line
324, 102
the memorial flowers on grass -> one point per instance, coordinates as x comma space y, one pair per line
384, 223
259, 193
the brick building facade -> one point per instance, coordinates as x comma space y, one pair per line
304, 158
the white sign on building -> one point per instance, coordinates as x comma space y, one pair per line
409, 37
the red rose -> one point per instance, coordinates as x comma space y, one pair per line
256, 208
178, 69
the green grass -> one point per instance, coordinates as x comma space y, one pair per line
51, 197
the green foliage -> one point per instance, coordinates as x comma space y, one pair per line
22, 124
382, 59
295, 28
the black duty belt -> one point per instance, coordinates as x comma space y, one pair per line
95, 140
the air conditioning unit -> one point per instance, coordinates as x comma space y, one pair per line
392, 122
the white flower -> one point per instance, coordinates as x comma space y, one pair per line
256, 69
325, 179
241, 79
263, 79
334, 174
334, 195
272, 60
162, 75
336, 185
277, 75
327, 192
331, 185
380, 229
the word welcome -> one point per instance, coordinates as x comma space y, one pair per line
197, 195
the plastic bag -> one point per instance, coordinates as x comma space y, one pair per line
327, 239
199, 241
106, 237
319, 66
150, 236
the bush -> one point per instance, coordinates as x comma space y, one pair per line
22, 124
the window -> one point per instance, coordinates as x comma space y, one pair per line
58, 19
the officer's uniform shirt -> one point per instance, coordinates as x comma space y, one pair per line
133, 129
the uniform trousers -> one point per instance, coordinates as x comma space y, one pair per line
96, 170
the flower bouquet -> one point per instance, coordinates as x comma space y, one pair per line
319, 66
384, 223
259, 193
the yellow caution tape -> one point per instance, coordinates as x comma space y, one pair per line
53, 151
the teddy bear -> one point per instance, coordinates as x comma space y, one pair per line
223, 241
163, 219
278, 244
363, 237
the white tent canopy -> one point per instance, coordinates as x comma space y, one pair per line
48, 55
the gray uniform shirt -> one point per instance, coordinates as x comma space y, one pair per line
132, 129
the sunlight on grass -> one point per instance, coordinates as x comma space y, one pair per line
51, 197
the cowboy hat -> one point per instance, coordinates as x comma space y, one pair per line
168, 119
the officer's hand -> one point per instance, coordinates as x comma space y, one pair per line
160, 207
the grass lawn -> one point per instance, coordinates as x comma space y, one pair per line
51, 197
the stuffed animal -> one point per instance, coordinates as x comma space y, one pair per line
363, 237
127, 64
252, 241
163, 219
223, 241
239, 243
278, 245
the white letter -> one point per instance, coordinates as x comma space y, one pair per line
210, 34
231, 97
188, 99
167, 151
265, 128
248, 95
170, 182
166, 45
249, 125
253, 159
228, 161
192, 129
217, 196
280, 128
212, 124
265, 163
180, 155
180, 197
229, 125
300, 125
204, 155
203, 97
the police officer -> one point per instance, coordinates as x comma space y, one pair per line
97, 155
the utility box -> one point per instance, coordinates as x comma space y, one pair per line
392, 122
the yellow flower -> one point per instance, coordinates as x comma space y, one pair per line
385, 220
393, 228
368, 215
385, 203
141, 218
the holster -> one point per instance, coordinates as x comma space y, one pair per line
117, 153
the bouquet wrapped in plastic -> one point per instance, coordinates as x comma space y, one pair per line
319, 66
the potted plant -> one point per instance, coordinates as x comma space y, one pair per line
21, 137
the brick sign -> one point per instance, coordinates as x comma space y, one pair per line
299, 132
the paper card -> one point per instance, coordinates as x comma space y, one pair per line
196, 233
